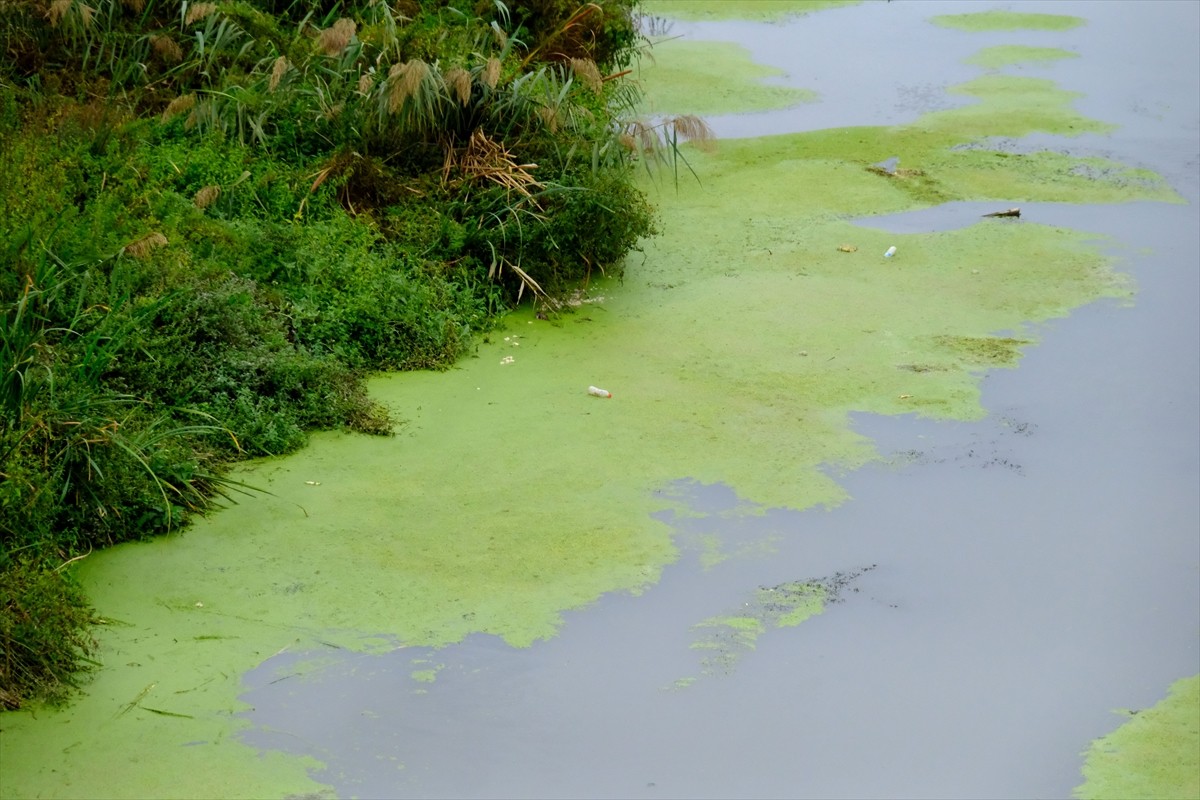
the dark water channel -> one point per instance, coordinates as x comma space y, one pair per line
1015, 579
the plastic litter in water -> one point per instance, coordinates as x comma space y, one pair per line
596, 391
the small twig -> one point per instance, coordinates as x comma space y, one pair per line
126, 708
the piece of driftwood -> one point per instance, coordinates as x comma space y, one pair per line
1012, 212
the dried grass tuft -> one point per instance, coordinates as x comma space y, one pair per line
334, 39
198, 11
207, 196
278, 70
178, 106
458, 82
86, 13
366, 83
499, 36
144, 246
585, 69
166, 48
136, 6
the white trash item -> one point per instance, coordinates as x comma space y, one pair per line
596, 391
891, 251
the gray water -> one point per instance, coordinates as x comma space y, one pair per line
1015, 579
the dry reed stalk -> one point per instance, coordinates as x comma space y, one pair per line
278, 70
334, 39
207, 196
585, 69
404, 81
198, 11
144, 246
486, 159
166, 48
458, 82
497, 267
178, 106
527, 280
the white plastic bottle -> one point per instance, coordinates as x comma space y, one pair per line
596, 391
891, 251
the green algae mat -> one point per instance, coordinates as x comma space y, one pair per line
734, 348
1153, 755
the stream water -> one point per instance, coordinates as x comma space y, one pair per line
991, 589
1010, 581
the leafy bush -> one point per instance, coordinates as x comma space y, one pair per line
44, 643
216, 219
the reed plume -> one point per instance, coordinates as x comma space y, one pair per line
166, 48
334, 39
458, 81
585, 69
58, 9
207, 196
178, 106
278, 70
491, 72
404, 81
142, 247
198, 11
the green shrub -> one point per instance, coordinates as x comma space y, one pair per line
212, 229
44, 640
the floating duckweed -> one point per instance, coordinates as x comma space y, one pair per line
1007, 21
1153, 756
1010, 54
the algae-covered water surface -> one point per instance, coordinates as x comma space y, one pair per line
851, 524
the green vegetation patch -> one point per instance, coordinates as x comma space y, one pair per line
756, 10
1153, 756
712, 78
984, 351
1009, 54
1007, 21
727, 638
